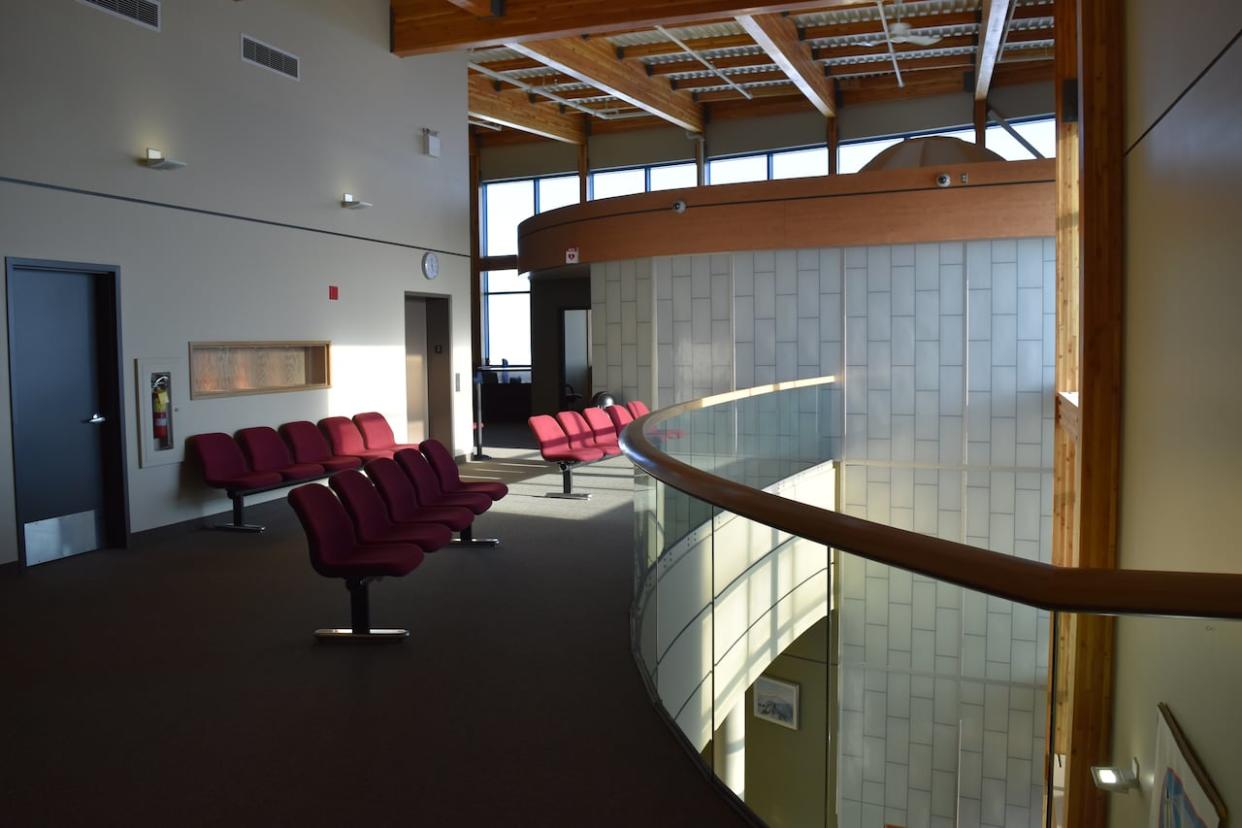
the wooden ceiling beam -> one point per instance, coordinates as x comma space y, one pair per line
778, 36
994, 14
512, 108
427, 26
480, 8
595, 62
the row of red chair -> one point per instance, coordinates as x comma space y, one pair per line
384, 523
570, 439
258, 460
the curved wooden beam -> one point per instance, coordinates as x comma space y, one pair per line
1040, 585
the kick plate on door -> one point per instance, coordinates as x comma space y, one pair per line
60, 537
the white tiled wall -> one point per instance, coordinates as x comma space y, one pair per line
623, 328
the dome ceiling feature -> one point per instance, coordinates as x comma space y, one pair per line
929, 152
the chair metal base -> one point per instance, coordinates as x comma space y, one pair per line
239, 527
345, 634
569, 495
468, 542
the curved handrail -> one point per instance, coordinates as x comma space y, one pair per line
1041, 585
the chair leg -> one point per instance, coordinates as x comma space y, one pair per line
567, 485
466, 538
360, 618
239, 517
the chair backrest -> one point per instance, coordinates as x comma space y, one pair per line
306, 441
576, 429
442, 463
375, 430
620, 417
548, 433
601, 426
420, 473
343, 435
637, 408
329, 532
264, 448
395, 488
219, 455
365, 506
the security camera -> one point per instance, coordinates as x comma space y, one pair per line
943, 180
679, 206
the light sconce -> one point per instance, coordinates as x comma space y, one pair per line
352, 203
1116, 779
155, 160
431, 142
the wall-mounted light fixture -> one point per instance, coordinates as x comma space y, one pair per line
1116, 779
348, 200
431, 142
155, 160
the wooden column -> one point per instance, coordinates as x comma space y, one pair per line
834, 143
584, 171
476, 276
981, 123
700, 161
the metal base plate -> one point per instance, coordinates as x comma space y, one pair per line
239, 527
347, 634
475, 542
570, 495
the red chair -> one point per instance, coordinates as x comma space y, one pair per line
582, 436
370, 515
378, 434
336, 553
346, 439
224, 467
554, 446
445, 467
621, 417
427, 486
637, 408
602, 429
267, 452
403, 507
308, 445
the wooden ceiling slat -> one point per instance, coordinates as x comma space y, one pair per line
512, 108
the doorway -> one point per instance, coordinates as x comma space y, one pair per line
65, 398
428, 369
575, 356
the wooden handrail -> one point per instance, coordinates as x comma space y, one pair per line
1045, 586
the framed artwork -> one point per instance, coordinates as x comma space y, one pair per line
1182, 794
776, 701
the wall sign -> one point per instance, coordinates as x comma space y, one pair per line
571, 255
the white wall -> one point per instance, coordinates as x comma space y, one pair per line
261, 147
1182, 391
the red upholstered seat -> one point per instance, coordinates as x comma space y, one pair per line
377, 433
554, 443
370, 515
224, 465
621, 417
402, 501
334, 549
309, 446
267, 452
445, 467
345, 439
637, 408
427, 485
582, 436
602, 429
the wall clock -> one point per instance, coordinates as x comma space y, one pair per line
431, 265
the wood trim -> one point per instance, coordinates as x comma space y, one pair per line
778, 37
426, 26
1040, 585
487, 263
1196, 766
479, 8
584, 172
595, 62
834, 145
1002, 200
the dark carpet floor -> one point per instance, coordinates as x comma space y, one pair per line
178, 683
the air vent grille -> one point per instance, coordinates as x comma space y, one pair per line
269, 57
143, 12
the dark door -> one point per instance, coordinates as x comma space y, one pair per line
575, 356
64, 378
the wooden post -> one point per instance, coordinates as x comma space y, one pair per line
834, 143
584, 170
700, 160
981, 123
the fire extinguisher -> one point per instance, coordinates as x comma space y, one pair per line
159, 410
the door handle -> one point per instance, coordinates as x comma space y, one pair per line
95, 420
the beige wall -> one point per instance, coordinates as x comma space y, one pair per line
1181, 444
268, 151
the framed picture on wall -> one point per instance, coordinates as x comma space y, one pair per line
1183, 795
776, 701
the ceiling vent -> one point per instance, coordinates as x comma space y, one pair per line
143, 12
260, 54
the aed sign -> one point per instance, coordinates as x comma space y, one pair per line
571, 255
